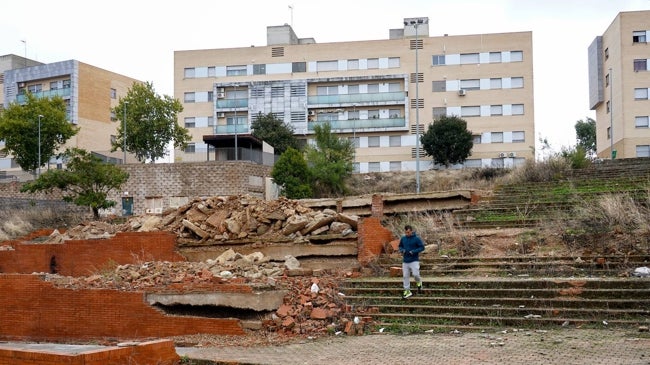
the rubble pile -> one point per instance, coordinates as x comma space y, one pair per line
254, 269
205, 220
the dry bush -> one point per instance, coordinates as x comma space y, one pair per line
611, 212
552, 169
21, 221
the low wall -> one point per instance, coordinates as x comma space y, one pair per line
36, 310
83, 257
159, 352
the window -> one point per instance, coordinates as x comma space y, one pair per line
327, 90
517, 109
609, 132
497, 137
470, 111
394, 87
190, 122
67, 83
353, 89
641, 65
189, 73
438, 60
638, 36
113, 94
606, 53
36, 88
496, 109
355, 142
393, 62
476, 139
353, 115
373, 167
327, 66
439, 86
517, 82
259, 69
495, 83
518, 136
189, 98
439, 112
395, 141
608, 106
373, 141
373, 88
473, 84
373, 114
607, 80
641, 122
373, 63
297, 90
191, 148
641, 94
210, 95
239, 70
469, 58
394, 113
277, 91
299, 67
516, 56
643, 151
212, 71
355, 167
495, 57
210, 121
353, 64
395, 166
113, 117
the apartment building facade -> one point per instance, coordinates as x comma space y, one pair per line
619, 86
88, 91
381, 94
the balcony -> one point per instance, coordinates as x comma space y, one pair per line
64, 93
360, 124
398, 96
232, 103
230, 129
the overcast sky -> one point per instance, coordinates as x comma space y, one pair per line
138, 38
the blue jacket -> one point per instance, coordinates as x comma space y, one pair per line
410, 247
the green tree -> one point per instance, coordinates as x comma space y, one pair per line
586, 135
19, 129
151, 123
330, 161
292, 174
448, 141
275, 132
86, 180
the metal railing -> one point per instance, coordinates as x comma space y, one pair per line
360, 124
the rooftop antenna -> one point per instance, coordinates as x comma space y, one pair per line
291, 10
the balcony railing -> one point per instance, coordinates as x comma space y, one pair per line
361, 124
231, 103
45, 94
230, 129
397, 96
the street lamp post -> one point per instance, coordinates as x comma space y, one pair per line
126, 103
39, 144
416, 23
611, 114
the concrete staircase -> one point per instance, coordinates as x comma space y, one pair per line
528, 204
472, 304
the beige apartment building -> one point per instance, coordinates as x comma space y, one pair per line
89, 93
375, 92
619, 84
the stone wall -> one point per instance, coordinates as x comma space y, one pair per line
165, 183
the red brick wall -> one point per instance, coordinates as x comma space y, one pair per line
159, 352
31, 309
83, 257
372, 238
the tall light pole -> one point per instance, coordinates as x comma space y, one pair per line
611, 114
416, 23
39, 144
126, 103
235, 103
